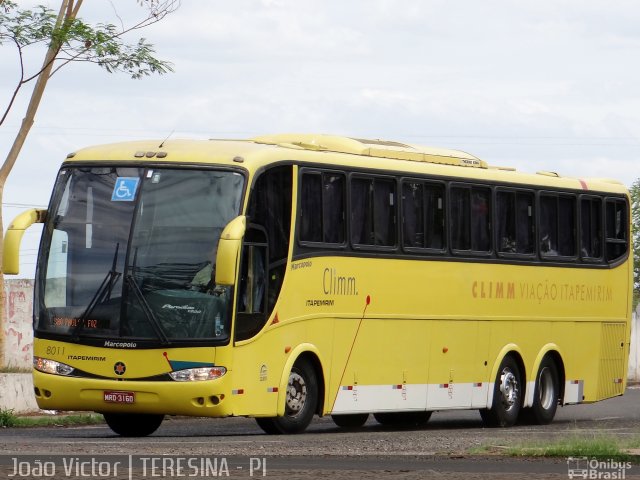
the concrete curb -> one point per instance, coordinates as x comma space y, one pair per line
16, 393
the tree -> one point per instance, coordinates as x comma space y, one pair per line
68, 39
635, 227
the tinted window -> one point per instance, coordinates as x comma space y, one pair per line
423, 215
525, 223
471, 218
333, 218
616, 229
373, 218
310, 210
322, 216
591, 227
557, 225
515, 222
270, 209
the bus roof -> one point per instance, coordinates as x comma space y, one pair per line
350, 152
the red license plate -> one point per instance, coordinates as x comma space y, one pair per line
119, 397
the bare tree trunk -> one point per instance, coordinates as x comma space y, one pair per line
67, 13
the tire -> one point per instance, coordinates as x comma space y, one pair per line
402, 419
133, 424
353, 420
507, 396
546, 393
300, 404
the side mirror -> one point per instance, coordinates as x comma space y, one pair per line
13, 238
229, 251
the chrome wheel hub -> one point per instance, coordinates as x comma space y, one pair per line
509, 388
296, 394
545, 388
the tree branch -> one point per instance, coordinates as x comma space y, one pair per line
34, 102
20, 83
150, 20
77, 7
115, 12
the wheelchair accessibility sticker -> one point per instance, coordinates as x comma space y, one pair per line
125, 189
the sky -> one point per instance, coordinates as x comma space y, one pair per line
534, 84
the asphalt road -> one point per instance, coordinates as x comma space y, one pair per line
447, 447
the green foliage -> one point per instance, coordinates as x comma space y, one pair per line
600, 448
59, 420
77, 41
575, 445
7, 418
635, 228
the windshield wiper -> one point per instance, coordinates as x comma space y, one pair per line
102, 294
148, 313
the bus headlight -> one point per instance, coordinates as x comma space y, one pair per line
51, 366
198, 374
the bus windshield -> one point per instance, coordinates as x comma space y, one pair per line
130, 253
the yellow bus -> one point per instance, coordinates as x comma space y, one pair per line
292, 275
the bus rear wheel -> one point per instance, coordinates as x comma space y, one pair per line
404, 419
546, 393
507, 396
300, 403
351, 420
133, 424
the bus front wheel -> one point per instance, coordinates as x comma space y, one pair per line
507, 396
300, 403
133, 424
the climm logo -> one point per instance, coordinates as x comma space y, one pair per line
334, 284
499, 290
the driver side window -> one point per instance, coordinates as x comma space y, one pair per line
264, 256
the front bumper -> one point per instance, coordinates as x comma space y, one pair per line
210, 398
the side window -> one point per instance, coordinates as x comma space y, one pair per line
373, 214
333, 208
515, 222
470, 210
322, 217
525, 223
423, 215
266, 246
253, 289
557, 225
591, 228
413, 214
616, 230
567, 226
460, 218
270, 207
548, 225
311, 208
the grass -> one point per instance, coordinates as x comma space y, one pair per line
15, 370
9, 419
600, 447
